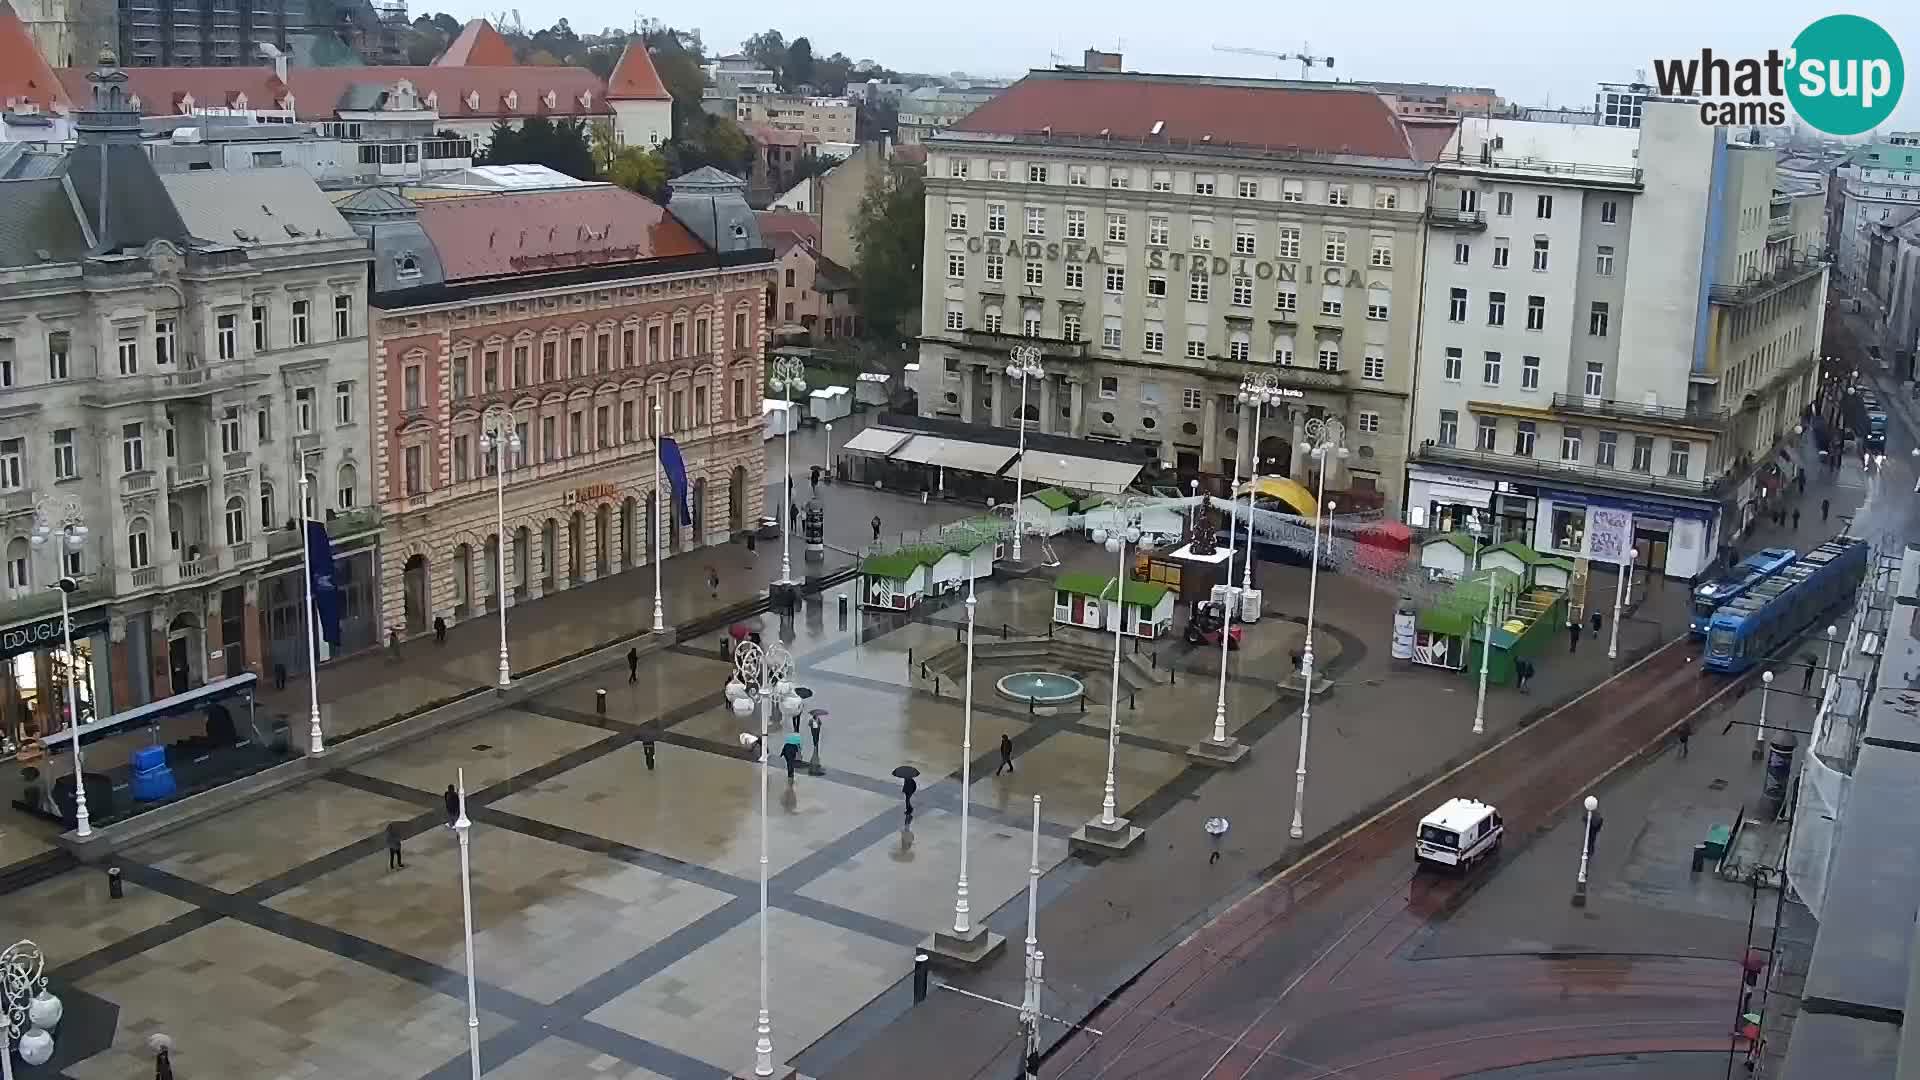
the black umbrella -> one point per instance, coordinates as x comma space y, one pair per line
906, 772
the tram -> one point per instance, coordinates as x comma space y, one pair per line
1739, 581
1746, 631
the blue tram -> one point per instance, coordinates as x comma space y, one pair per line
1751, 571
1744, 632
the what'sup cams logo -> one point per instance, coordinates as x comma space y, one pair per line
1842, 75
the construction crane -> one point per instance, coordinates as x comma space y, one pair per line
1306, 58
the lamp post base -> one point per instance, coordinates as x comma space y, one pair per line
1101, 839
780, 1072
1296, 683
1579, 894
1219, 754
962, 951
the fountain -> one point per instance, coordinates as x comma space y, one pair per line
1040, 687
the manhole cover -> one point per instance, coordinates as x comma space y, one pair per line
483, 747
1717, 785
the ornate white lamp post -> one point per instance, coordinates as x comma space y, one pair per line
1325, 435
1486, 652
1592, 805
762, 674
1220, 749
71, 534
1256, 393
1030, 997
462, 827
789, 378
499, 438
28, 1014
1107, 831
966, 943
316, 745
1023, 367
659, 524
1760, 732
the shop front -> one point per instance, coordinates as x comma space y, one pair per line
35, 666
1448, 502
1675, 539
283, 613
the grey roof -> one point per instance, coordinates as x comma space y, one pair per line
403, 255
376, 201
713, 205
37, 216
254, 207
29, 161
115, 183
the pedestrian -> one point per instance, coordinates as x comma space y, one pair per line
793, 515
876, 528
1824, 507
713, 582
813, 729
279, 675
907, 788
790, 753
1685, 735
1801, 481
1596, 622
394, 861
1796, 517
813, 477
1214, 857
1522, 671
162, 1064
1806, 677
1006, 754
393, 645
633, 665
1573, 637
453, 804
646, 747
439, 630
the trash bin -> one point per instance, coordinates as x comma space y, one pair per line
1699, 857
115, 889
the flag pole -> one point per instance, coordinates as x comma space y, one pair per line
316, 745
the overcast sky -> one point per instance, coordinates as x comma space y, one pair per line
1528, 50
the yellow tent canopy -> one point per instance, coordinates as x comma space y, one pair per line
1285, 490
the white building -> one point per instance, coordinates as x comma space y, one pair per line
1878, 183
1612, 316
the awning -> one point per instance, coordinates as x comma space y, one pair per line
1080, 473
955, 454
877, 441
155, 711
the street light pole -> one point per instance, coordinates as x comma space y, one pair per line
762, 674
1030, 996
1023, 366
789, 377
316, 745
462, 827
962, 924
1625, 568
826, 453
1226, 616
1486, 654
1326, 434
1256, 392
1760, 732
500, 440
1586, 848
659, 607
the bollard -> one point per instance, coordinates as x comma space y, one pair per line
923, 669
1153, 660
909, 657
1030, 701
921, 968
1171, 678
936, 686
1004, 634
115, 888
600, 702
1130, 699
842, 597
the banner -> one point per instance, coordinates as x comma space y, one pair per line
326, 598
1609, 535
676, 470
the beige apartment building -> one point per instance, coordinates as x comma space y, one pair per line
829, 120
1162, 238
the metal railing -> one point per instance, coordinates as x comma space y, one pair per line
1547, 468
136, 481
339, 527
1634, 410
1758, 288
1456, 219
1486, 159
184, 475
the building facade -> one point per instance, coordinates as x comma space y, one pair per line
1150, 235
825, 119
172, 360
1612, 316
1874, 185
582, 323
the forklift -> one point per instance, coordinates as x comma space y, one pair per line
1206, 620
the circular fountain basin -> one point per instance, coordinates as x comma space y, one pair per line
1040, 687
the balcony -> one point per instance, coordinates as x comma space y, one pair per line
189, 380
134, 482
1625, 176
340, 527
1050, 348
235, 462
1441, 218
14, 503
1608, 409
39, 602
183, 476
1551, 471
194, 569
1762, 286
237, 555
146, 577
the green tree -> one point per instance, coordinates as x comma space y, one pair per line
798, 68
639, 170
560, 146
888, 231
769, 47
447, 25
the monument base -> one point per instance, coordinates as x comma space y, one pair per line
1097, 838
964, 951
1219, 754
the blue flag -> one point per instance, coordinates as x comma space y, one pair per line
676, 470
326, 598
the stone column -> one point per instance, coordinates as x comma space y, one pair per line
966, 393
1000, 395
1209, 433
1297, 468
1046, 425
1077, 407
161, 677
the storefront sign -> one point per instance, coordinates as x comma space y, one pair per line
1610, 535
1638, 509
45, 634
1180, 262
591, 492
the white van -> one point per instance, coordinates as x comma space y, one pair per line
1459, 834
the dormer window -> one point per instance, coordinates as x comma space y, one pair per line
407, 266
586, 99
473, 100
433, 99
239, 101
513, 99
550, 98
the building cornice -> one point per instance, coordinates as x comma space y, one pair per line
432, 299
1304, 162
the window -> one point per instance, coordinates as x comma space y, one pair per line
1449, 432
236, 520
956, 266
1116, 228
1642, 453
65, 464
12, 464
1329, 357
1523, 438
1543, 207
163, 341
550, 439
956, 317
1540, 252
1036, 221
462, 456
1198, 284
1109, 387
1385, 198
1336, 245
996, 217
1196, 343
1678, 453
1457, 305
957, 168
1075, 275
138, 556
1247, 189
1570, 444
1462, 251
577, 425
127, 348
1338, 195
1286, 299
1191, 398
343, 403
1116, 279
1077, 224
1036, 174
59, 348
1609, 212
957, 216
1605, 448
1110, 333
263, 421
1489, 432
410, 388
1454, 362
1244, 242
259, 317
1501, 252
1496, 309
1156, 284
1503, 203
1597, 319
302, 312
1536, 313
1333, 299
1070, 326
996, 267
1283, 350
1242, 290
577, 349
1157, 230
1029, 319
1289, 242
1203, 184
550, 354
1293, 191
303, 415
1162, 180
1036, 274
1603, 260
1118, 177
1490, 368
1240, 346
1469, 201
1529, 373
230, 430
1596, 374
133, 449
1382, 254
342, 316
1373, 366
996, 170
1076, 176
226, 336
990, 318
1370, 422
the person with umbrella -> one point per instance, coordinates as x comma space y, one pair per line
906, 773
1216, 828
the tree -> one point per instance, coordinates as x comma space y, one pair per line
769, 48
888, 231
643, 171
560, 146
798, 69
447, 25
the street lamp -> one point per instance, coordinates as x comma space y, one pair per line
1625, 570
762, 673
499, 439
962, 921
1486, 652
789, 378
826, 453
28, 1014
1760, 732
462, 826
1257, 391
1023, 367
659, 524
1832, 632
73, 536
1586, 849
1108, 830
1324, 434
316, 746
1030, 996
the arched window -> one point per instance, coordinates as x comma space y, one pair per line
312, 508
344, 494
1283, 350
1329, 356
266, 507
19, 564
236, 520
138, 555
1240, 346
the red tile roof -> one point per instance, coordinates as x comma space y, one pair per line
767, 135
781, 229
634, 77
24, 74
489, 236
479, 45
1241, 112
1431, 137
317, 91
